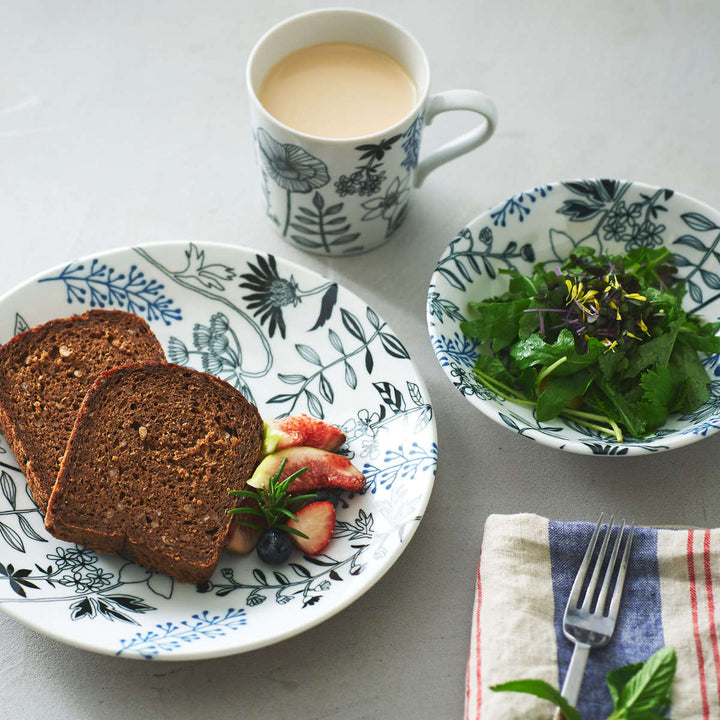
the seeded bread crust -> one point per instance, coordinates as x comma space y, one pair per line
154, 451
44, 375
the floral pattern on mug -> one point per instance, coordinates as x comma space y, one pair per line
367, 179
392, 206
291, 167
325, 225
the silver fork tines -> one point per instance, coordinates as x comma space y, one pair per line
586, 621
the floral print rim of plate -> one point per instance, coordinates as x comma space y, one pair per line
543, 225
292, 342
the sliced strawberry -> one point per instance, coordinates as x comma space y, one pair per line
300, 430
242, 539
324, 470
317, 521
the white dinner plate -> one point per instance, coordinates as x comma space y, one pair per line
292, 342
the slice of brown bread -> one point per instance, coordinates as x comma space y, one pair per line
154, 451
44, 375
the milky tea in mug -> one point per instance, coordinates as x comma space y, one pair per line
339, 99
338, 90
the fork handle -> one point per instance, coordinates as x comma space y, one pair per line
574, 676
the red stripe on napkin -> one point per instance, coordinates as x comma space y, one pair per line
696, 625
476, 641
711, 608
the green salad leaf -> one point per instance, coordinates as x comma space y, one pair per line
562, 353
602, 340
498, 322
560, 391
685, 364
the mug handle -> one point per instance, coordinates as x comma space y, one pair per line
456, 100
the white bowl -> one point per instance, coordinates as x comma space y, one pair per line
545, 224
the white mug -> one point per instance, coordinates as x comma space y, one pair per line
341, 197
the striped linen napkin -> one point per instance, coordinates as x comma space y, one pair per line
527, 567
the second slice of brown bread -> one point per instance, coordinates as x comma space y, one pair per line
154, 451
44, 375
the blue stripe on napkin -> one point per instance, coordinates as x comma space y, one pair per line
639, 631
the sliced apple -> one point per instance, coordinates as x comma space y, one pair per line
324, 470
300, 431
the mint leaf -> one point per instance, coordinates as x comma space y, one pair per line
541, 689
617, 679
648, 690
497, 322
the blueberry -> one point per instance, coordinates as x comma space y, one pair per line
274, 547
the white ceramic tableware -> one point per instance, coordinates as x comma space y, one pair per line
544, 224
291, 341
340, 197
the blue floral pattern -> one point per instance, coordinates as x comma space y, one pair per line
328, 224
367, 178
170, 637
291, 341
605, 214
391, 207
101, 286
472, 255
322, 227
411, 143
292, 168
518, 206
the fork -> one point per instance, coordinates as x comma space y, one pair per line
586, 623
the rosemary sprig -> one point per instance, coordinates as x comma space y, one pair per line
273, 503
